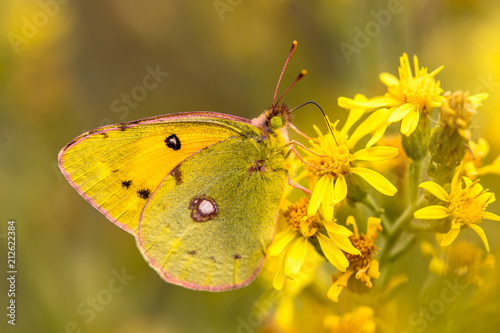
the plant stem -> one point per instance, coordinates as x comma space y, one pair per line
398, 229
378, 212
415, 168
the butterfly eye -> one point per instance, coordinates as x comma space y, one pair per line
275, 122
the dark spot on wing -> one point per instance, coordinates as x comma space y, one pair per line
213, 259
203, 208
173, 142
104, 135
114, 171
193, 252
176, 173
236, 257
126, 183
144, 193
123, 128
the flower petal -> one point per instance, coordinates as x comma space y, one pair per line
340, 189
490, 216
455, 181
401, 112
388, 79
317, 195
279, 279
378, 102
335, 289
354, 115
373, 271
410, 122
486, 198
281, 241
295, 257
452, 234
379, 153
344, 244
376, 136
481, 234
334, 255
375, 121
467, 182
436, 190
328, 202
434, 212
374, 225
338, 229
375, 179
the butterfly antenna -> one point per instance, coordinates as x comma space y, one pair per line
324, 116
300, 76
294, 46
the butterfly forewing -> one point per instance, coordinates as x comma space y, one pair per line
117, 168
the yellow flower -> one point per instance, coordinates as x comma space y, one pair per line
461, 260
359, 321
473, 161
464, 207
450, 137
363, 266
292, 245
408, 97
457, 110
290, 309
332, 163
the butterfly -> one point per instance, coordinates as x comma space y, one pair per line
199, 190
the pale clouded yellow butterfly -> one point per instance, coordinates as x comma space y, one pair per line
199, 190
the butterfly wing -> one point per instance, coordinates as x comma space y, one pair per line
208, 225
117, 167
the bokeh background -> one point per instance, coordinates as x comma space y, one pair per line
64, 64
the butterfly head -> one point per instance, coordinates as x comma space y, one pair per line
277, 117
273, 120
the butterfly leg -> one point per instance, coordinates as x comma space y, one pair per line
298, 186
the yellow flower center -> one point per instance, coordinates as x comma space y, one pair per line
298, 220
335, 160
465, 207
420, 90
367, 249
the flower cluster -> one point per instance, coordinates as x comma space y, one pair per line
368, 172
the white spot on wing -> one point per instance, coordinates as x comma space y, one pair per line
206, 207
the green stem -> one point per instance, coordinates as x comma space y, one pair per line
377, 212
415, 168
398, 229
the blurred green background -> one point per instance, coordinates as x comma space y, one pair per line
64, 66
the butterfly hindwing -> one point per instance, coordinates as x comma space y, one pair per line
117, 168
208, 224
